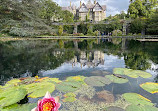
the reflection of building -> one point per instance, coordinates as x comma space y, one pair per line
90, 59
92, 11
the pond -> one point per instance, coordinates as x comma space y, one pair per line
87, 74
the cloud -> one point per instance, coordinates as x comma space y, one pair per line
113, 6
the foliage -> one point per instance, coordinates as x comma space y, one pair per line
69, 86
117, 33
25, 107
137, 99
99, 81
36, 90
67, 17
68, 28
137, 26
132, 73
114, 108
11, 96
150, 87
141, 108
69, 97
76, 78
116, 79
60, 30
152, 26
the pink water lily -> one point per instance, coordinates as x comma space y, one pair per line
48, 103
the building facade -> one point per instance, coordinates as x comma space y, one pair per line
89, 11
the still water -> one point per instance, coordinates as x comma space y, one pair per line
64, 58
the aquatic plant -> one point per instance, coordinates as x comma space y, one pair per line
137, 99
131, 73
76, 78
11, 96
69, 97
150, 87
115, 79
86, 90
48, 103
68, 86
36, 90
97, 81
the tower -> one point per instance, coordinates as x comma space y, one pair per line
95, 1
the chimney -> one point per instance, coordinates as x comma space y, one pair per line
70, 3
95, 1
80, 3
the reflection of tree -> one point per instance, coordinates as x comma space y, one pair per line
18, 58
137, 61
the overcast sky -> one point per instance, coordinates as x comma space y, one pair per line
113, 6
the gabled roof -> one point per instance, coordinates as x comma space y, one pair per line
89, 4
83, 8
95, 8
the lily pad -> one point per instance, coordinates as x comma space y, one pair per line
114, 108
132, 73
150, 87
68, 86
56, 80
11, 96
76, 78
69, 97
137, 99
13, 81
140, 108
16, 107
119, 70
115, 79
36, 90
137, 73
97, 81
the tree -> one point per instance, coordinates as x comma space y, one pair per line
152, 26
60, 31
67, 17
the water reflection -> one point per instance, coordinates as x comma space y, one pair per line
31, 57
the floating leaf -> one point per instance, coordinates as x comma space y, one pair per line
39, 89
69, 97
11, 96
115, 79
140, 108
56, 80
132, 73
70, 94
76, 78
114, 108
13, 81
119, 70
41, 79
150, 87
97, 81
25, 107
137, 99
137, 73
68, 86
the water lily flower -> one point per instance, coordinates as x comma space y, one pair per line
48, 103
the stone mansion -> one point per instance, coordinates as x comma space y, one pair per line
90, 11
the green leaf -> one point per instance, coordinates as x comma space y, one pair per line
141, 108
115, 79
25, 107
150, 87
13, 81
114, 108
137, 99
77, 78
39, 89
68, 86
70, 94
97, 81
56, 80
11, 96
69, 99
132, 73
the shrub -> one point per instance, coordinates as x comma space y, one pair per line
60, 30
117, 33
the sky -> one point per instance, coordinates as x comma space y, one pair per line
113, 6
